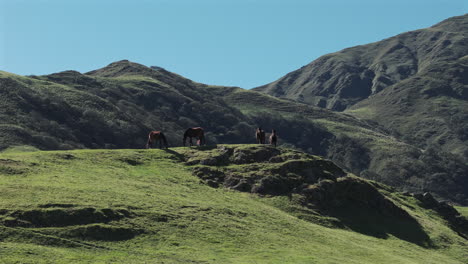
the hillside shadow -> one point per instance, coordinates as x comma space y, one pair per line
176, 154
205, 147
373, 223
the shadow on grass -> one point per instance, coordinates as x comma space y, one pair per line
206, 147
176, 154
373, 223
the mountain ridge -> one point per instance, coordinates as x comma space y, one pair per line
70, 110
364, 70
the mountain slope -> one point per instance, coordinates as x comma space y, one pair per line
69, 109
144, 206
116, 106
414, 84
339, 80
429, 110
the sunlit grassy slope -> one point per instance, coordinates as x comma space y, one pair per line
145, 206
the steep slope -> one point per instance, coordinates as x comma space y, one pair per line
143, 206
429, 110
414, 84
339, 80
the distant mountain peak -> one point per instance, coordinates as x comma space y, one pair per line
339, 80
119, 68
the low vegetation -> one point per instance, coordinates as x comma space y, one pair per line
158, 206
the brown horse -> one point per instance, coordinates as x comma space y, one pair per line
196, 132
273, 138
260, 135
156, 136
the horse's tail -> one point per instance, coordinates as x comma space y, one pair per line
149, 142
164, 140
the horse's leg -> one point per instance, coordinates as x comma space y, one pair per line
190, 141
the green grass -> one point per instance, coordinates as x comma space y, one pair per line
22, 148
463, 210
176, 218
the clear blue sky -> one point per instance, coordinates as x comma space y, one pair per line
243, 43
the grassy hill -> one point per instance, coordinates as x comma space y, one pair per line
116, 107
140, 206
72, 110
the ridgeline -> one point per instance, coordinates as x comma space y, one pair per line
116, 107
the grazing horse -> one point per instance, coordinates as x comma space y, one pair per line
196, 132
156, 136
273, 138
260, 135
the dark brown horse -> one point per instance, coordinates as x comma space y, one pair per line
273, 138
156, 136
260, 135
196, 132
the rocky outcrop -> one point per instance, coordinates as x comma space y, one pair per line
262, 169
316, 184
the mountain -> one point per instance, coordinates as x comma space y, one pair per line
339, 80
224, 204
414, 85
116, 107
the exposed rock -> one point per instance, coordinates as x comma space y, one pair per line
262, 169
254, 154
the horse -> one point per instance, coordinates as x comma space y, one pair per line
196, 132
156, 136
260, 135
273, 138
